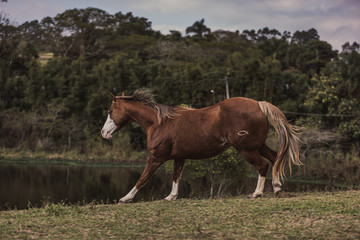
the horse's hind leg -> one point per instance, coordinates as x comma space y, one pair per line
178, 167
270, 154
261, 165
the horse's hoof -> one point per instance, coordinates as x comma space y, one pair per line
251, 196
170, 198
124, 201
278, 194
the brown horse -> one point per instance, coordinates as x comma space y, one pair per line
182, 133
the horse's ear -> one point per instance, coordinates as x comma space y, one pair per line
112, 95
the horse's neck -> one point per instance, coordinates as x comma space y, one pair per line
145, 116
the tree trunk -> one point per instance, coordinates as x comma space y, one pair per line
69, 140
212, 179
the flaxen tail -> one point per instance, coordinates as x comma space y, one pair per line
289, 142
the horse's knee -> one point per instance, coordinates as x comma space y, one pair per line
268, 153
255, 159
178, 167
150, 168
263, 168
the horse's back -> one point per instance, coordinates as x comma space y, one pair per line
231, 113
240, 105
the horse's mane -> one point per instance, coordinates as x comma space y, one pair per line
163, 111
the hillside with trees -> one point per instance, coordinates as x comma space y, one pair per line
55, 75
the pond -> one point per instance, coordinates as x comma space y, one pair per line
24, 185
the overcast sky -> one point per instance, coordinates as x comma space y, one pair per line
337, 21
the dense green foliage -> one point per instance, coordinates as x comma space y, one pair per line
59, 103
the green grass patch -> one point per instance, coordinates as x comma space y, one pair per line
326, 215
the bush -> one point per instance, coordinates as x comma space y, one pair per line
331, 156
219, 171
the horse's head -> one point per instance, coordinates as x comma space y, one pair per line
117, 117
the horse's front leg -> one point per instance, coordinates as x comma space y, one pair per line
151, 165
178, 167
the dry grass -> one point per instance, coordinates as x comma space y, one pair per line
329, 215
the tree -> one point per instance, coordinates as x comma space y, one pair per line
175, 35
51, 36
127, 24
250, 35
86, 28
311, 57
30, 31
271, 70
328, 96
198, 28
323, 96
346, 47
266, 33
303, 37
228, 36
9, 40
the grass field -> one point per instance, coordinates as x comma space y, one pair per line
316, 215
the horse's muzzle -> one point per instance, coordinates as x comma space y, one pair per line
106, 134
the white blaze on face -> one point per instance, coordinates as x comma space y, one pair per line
109, 128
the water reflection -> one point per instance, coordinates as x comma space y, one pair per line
21, 184
24, 183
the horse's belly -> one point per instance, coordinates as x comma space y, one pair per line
197, 148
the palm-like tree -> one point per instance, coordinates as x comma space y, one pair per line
199, 28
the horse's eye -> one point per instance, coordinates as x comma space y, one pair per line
109, 112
